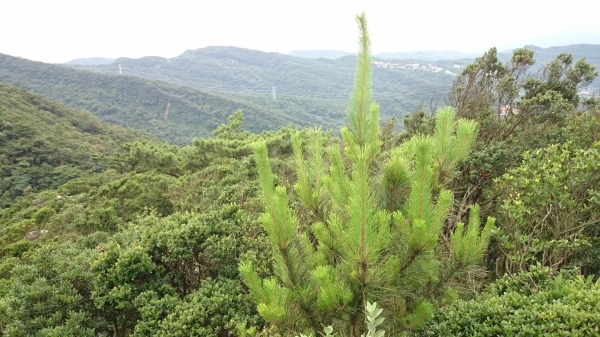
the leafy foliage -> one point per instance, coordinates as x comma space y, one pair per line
517, 111
550, 209
529, 304
146, 265
43, 144
49, 293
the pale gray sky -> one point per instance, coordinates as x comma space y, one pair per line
61, 30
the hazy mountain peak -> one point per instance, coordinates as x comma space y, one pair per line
315, 54
427, 55
90, 61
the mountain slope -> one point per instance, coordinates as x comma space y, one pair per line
166, 111
422, 55
43, 144
301, 85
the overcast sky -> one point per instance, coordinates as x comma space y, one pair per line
57, 31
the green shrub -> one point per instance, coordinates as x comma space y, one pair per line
527, 304
214, 309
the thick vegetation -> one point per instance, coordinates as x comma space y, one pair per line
104, 232
43, 144
530, 303
139, 252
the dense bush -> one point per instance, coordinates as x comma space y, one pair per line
550, 210
527, 304
43, 144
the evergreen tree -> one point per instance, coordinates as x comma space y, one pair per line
368, 236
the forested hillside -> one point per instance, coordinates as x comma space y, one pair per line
198, 206
44, 144
319, 86
165, 111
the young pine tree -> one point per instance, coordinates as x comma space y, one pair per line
370, 237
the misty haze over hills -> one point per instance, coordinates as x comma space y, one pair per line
554, 40
558, 39
551, 45
325, 54
306, 89
426, 55
444, 58
92, 61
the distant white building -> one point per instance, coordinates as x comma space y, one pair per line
433, 68
387, 65
410, 66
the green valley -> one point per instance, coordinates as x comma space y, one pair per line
166, 111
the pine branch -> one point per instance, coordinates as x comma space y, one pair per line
361, 98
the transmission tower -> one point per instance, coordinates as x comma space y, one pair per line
274, 94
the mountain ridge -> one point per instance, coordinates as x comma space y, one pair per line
90, 61
137, 102
257, 76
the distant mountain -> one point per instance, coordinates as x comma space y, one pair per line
423, 55
564, 37
272, 89
543, 56
165, 111
312, 90
591, 53
92, 61
316, 54
427, 55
